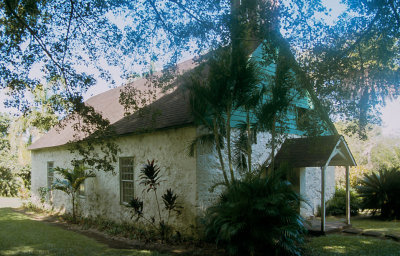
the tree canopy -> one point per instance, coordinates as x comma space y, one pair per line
354, 63
355, 66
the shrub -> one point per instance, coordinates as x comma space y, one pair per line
25, 175
151, 179
8, 183
380, 192
257, 215
337, 204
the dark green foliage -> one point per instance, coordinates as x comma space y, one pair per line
337, 204
257, 216
380, 192
137, 206
170, 201
25, 175
8, 183
150, 176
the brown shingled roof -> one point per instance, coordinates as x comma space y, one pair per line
314, 152
167, 110
170, 110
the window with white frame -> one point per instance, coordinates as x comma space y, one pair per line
126, 175
50, 174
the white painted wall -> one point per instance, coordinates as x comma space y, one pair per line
190, 177
209, 169
168, 147
310, 188
209, 173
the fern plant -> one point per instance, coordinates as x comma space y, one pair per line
257, 215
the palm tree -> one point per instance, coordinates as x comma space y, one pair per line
229, 86
257, 215
71, 181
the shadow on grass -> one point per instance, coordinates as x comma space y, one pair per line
21, 236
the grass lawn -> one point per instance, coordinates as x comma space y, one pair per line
371, 224
21, 236
337, 245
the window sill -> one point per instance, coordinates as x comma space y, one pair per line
124, 204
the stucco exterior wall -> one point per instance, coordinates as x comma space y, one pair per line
209, 173
190, 177
167, 147
310, 188
209, 169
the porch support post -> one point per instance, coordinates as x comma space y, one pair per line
347, 195
323, 199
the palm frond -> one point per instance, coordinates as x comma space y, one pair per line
204, 139
240, 145
149, 175
380, 190
257, 215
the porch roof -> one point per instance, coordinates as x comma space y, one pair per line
316, 151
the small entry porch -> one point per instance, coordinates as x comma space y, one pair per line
321, 152
314, 226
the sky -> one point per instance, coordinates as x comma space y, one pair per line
391, 118
390, 113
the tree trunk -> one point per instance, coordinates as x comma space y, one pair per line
228, 140
273, 135
249, 150
158, 205
73, 207
218, 146
363, 105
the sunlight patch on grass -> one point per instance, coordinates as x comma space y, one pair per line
335, 249
145, 252
366, 242
23, 250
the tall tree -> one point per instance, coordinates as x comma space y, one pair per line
356, 65
63, 37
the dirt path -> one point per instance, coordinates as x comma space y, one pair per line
10, 202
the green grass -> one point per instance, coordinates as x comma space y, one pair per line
369, 224
21, 236
337, 245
